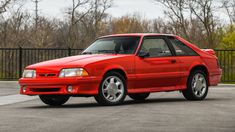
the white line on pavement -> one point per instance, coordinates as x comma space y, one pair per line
221, 88
11, 99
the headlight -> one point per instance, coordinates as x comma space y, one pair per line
73, 72
29, 74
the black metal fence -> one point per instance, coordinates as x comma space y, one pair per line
13, 60
227, 63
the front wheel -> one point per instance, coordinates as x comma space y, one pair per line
139, 97
54, 100
197, 86
112, 89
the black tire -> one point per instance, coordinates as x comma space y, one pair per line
139, 97
100, 98
54, 100
189, 93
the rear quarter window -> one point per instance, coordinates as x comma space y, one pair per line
180, 48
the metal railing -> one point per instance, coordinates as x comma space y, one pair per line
227, 63
14, 60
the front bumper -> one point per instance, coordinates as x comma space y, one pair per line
51, 86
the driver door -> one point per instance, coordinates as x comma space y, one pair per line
160, 68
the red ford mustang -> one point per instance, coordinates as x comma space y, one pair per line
125, 64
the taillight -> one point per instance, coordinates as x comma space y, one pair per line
209, 51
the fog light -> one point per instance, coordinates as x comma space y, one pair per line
24, 89
70, 89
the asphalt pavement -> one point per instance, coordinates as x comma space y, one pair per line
161, 112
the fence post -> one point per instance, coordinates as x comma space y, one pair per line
69, 51
20, 62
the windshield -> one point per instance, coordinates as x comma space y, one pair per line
113, 45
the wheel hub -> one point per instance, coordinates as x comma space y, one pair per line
199, 85
112, 88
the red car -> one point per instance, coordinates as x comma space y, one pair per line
125, 64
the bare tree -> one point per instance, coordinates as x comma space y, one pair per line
96, 22
176, 12
99, 9
131, 24
3, 5
76, 14
203, 11
184, 14
229, 6
86, 18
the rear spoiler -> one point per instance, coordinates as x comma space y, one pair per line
210, 51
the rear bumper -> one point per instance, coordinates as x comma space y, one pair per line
50, 86
215, 77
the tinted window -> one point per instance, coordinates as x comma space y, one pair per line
156, 47
113, 45
180, 48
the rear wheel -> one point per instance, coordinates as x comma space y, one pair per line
197, 86
139, 97
112, 89
54, 100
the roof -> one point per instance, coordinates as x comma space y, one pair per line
138, 34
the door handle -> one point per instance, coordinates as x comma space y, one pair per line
173, 61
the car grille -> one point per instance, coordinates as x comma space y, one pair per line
47, 75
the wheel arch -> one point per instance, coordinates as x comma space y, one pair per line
121, 71
202, 68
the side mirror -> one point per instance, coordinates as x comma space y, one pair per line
144, 54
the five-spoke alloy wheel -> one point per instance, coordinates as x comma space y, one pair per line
112, 90
197, 86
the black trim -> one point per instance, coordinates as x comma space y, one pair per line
171, 47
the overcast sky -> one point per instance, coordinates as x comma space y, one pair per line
148, 8
56, 8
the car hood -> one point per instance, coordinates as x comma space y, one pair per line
74, 61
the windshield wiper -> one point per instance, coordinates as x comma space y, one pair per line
86, 53
100, 51
107, 51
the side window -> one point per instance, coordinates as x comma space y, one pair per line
156, 47
180, 48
